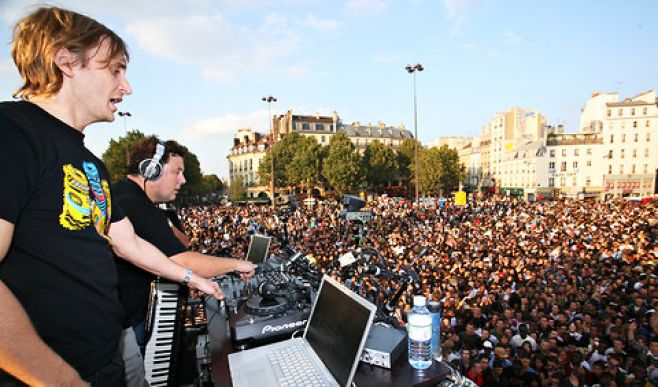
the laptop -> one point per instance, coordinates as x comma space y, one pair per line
258, 248
331, 345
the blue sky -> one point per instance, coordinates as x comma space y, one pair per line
199, 70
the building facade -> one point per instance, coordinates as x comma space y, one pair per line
630, 141
248, 150
250, 147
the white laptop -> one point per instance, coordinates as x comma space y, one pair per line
326, 355
258, 248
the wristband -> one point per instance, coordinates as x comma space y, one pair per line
188, 276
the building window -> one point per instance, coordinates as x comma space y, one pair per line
609, 112
551, 182
575, 165
622, 153
620, 112
551, 165
323, 139
633, 168
635, 124
552, 152
644, 111
646, 124
574, 181
634, 153
612, 138
588, 181
609, 169
610, 154
576, 152
306, 126
645, 168
632, 111
319, 126
589, 163
589, 151
646, 152
563, 182
623, 138
648, 136
564, 153
563, 166
635, 137
621, 169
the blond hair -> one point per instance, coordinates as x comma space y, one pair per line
40, 35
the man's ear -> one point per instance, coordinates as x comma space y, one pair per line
65, 60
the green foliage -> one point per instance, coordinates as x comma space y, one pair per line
342, 167
212, 183
284, 152
430, 171
439, 170
453, 170
114, 156
297, 160
304, 168
405, 159
193, 175
380, 164
237, 189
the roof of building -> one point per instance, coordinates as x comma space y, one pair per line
375, 132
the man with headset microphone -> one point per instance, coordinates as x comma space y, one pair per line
155, 175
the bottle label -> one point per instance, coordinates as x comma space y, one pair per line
421, 333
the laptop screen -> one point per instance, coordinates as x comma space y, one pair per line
337, 329
258, 248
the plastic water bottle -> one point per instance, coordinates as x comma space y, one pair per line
435, 311
419, 324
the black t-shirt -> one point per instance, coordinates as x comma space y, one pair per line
151, 224
59, 266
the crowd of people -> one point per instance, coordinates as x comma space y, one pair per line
532, 293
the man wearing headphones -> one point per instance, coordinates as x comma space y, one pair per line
155, 175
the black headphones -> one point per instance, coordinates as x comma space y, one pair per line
151, 169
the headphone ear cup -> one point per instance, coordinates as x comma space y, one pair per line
150, 169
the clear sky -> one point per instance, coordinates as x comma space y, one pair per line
199, 68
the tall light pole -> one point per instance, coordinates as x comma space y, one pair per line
125, 130
412, 70
269, 99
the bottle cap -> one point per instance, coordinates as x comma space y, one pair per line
419, 300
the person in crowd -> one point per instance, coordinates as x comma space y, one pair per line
565, 274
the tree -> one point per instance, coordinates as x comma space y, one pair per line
342, 166
212, 183
284, 152
114, 156
380, 165
237, 189
405, 159
430, 170
452, 170
439, 170
193, 174
304, 168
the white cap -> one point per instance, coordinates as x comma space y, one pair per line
419, 300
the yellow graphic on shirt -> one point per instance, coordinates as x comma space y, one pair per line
86, 200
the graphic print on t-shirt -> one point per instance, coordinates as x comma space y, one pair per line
81, 207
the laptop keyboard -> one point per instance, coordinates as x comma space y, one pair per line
293, 368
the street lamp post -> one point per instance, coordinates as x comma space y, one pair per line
125, 130
269, 99
412, 70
